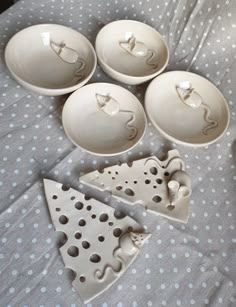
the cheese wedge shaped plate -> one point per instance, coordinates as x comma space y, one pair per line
99, 246
162, 187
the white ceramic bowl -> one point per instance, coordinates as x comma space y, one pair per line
104, 119
131, 51
50, 59
187, 108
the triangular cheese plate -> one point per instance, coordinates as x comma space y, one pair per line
162, 187
99, 246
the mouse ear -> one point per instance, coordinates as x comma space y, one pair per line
132, 42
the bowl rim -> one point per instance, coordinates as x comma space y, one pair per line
178, 141
96, 152
67, 89
150, 76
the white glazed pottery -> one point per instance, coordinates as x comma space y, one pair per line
99, 246
131, 51
50, 59
161, 187
104, 119
187, 108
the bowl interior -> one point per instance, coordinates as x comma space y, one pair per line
180, 122
131, 48
50, 56
89, 125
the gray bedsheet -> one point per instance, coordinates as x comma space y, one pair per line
183, 265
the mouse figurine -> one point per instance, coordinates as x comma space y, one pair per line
139, 49
188, 95
193, 99
108, 104
111, 107
69, 56
129, 245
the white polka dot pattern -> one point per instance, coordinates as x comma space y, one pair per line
182, 265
